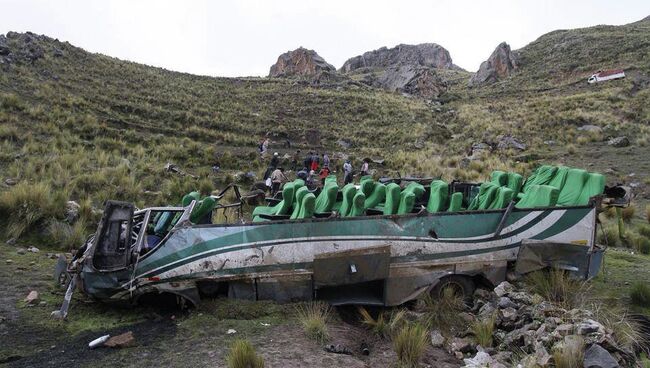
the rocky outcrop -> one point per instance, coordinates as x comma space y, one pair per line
27, 48
425, 54
420, 81
502, 63
300, 62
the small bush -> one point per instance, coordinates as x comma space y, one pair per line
558, 287
313, 318
640, 294
608, 236
570, 353
242, 355
65, 236
628, 213
410, 343
571, 149
644, 230
483, 330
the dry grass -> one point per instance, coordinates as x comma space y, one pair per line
647, 213
570, 353
625, 330
442, 313
242, 355
410, 344
640, 294
386, 324
313, 317
559, 287
628, 213
27, 205
483, 330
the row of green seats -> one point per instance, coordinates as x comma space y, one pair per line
202, 207
574, 186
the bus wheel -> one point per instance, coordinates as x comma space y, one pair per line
461, 286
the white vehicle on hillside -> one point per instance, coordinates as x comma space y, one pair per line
606, 75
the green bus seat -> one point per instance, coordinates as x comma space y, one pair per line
307, 206
486, 194
282, 207
514, 182
455, 202
539, 196
357, 208
406, 202
297, 201
438, 192
570, 192
327, 197
367, 186
392, 199
189, 197
377, 196
595, 185
559, 178
202, 208
503, 198
541, 176
349, 191
499, 178
416, 188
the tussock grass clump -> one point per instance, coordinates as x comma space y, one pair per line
483, 330
647, 213
628, 213
442, 313
625, 330
410, 343
640, 294
558, 287
313, 317
570, 353
26, 205
385, 325
242, 355
66, 236
608, 235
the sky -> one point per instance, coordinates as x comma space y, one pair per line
244, 38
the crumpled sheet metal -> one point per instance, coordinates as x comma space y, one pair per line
535, 255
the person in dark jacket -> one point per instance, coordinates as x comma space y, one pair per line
308, 160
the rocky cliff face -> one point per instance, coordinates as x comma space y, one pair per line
300, 62
426, 54
499, 65
414, 80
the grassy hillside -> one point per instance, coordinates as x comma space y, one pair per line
88, 127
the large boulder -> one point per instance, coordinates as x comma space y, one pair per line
414, 80
597, 357
425, 54
499, 65
300, 62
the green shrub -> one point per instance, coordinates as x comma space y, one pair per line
242, 355
640, 294
313, 317
410, 343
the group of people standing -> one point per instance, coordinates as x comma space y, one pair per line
314, 169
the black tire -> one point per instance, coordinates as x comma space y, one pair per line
463, 286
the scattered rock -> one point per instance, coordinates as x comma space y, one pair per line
482, 360
597, 357
121, 341
72, 211
11, 241
462, 345
343, 143
32, 298
563, 330
437, 340
11, 181
9, 261
589, 326
300, 62
619, 142
505, 302
231, 331
502, 63
21, 251
504, 288
591, 128
33, 249
510, 142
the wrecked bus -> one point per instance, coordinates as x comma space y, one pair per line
414, 239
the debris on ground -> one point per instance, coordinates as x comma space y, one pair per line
337, 349
231, 331
32, 298
98, 341
121, 341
